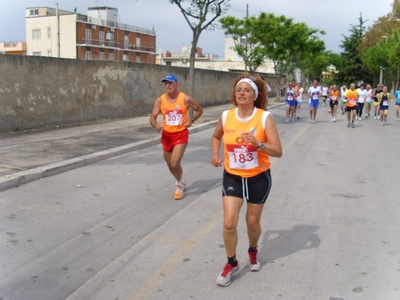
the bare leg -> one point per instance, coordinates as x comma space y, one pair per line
173, 160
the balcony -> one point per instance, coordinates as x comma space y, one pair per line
102, 22
99, 43
114, 45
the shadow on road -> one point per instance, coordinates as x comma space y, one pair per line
280, 243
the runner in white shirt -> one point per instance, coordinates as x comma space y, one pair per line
290, 103
324, 94
314, 92
299, 100
343, 101
361, 100
368, 100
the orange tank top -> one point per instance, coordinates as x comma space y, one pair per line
241, 159
334, 95
351, 98
174, 114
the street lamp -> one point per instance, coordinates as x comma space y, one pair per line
381, 74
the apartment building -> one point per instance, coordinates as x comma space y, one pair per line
96, 36
17, 48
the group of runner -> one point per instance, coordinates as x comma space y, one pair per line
353, 101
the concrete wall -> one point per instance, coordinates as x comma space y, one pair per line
40, 91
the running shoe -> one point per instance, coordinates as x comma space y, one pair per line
352, 125
334, 120
381, 123
287, 120
225, 278
348, 124
254, 265
179, 188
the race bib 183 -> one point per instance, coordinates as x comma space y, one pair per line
242, 157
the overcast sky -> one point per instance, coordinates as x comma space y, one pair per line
332, 16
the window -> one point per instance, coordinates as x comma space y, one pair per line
36, 34
111, 56
138, 40
36, 53
126, 42
101, 38
49, 53
138, 58
88, 55
125, 57
101, 56
34, 12
49, 32
88, 36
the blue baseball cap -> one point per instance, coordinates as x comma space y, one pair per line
170, 77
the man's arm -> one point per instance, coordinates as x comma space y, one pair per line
154, 114
198, 110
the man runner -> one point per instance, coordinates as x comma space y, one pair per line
174, 107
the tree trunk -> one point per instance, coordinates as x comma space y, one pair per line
192, 68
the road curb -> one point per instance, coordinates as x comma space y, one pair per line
23, 177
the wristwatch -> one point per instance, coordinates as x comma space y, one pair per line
261, 146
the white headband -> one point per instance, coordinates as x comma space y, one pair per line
251, 82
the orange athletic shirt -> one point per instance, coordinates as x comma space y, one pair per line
334, 95
244, 160
351, 98
174, 114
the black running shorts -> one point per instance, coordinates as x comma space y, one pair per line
253, 189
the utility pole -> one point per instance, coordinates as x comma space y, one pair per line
58, 31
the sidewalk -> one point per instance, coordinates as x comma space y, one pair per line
31, 155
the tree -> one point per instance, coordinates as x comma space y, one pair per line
244, 44
200, 15
352, 69
313, 65
286, 43
382, 27
385, 55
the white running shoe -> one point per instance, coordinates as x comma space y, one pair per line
225, 278
254, 265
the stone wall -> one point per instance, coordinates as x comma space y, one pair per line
40, 91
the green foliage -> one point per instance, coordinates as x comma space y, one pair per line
352, 68
244, 43
278, 38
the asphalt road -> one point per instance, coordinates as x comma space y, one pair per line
110, 230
